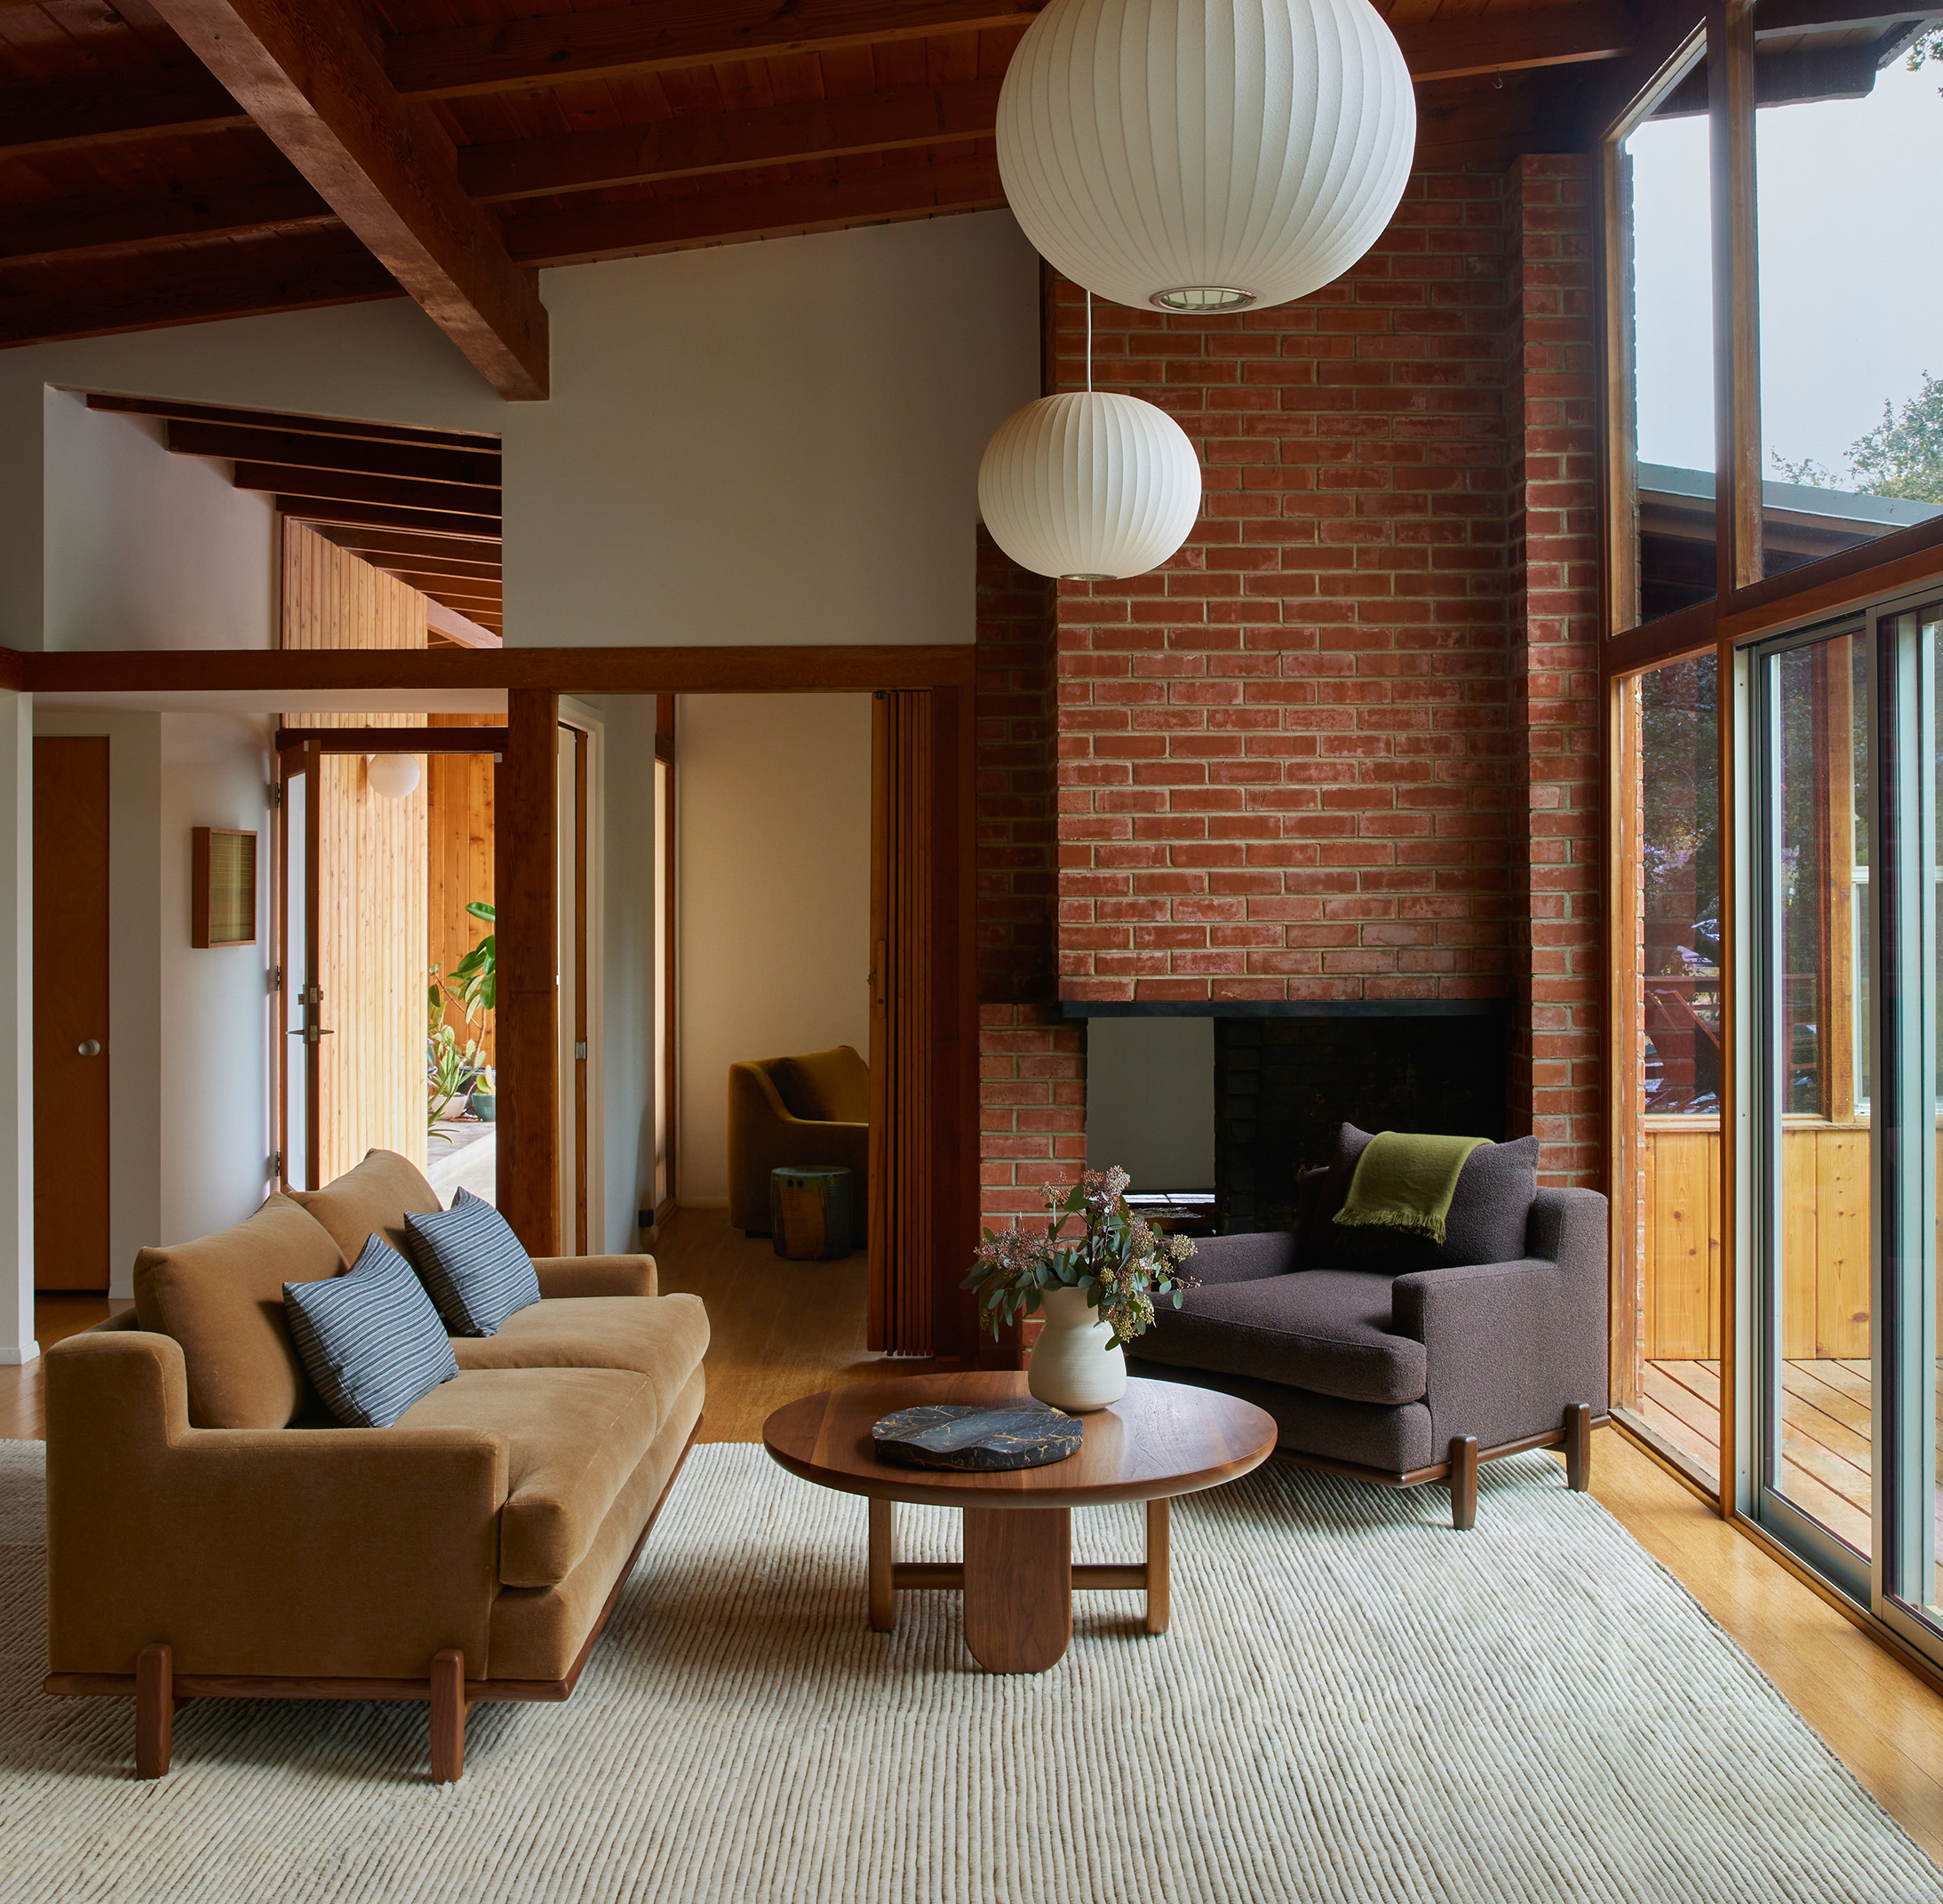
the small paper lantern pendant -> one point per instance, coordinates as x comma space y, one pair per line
1090, 486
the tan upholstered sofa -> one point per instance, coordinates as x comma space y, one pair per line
212, 1532
790, 1113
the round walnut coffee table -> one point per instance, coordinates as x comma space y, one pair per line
1161, 1439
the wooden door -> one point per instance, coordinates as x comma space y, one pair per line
71, 1013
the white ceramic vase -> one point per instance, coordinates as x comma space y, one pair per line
1074, 1365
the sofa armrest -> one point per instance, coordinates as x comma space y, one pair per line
571, 1276
330, 1552
1510, 1346
1250, 1257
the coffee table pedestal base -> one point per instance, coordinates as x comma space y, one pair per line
1018, 1580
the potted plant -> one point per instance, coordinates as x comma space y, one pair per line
452, 1068
485, 1097
1094, 1282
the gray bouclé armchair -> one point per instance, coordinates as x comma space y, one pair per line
1410, 1368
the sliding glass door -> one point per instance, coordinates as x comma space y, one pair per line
1841, 1078
1813, 1435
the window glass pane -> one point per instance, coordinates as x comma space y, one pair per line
1667, 324
1851, 365
1669, 1377
1812, 1127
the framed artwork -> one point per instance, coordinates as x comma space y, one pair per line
223, 903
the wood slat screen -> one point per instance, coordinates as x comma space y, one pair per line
923, 1029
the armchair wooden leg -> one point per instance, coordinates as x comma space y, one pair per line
1578, 1446
448, 1716
1464, 1481
154, 1711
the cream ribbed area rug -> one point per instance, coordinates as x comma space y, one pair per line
1355, 1703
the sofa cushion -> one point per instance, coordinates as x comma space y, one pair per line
371, 1341
832, 1087
661, 1337
371, 1199
1325, 1330
574, 1436
1485, 1223
478, 1272
221, 1298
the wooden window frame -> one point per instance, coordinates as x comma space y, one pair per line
1747, 608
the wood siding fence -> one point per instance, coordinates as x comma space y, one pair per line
1824, 1240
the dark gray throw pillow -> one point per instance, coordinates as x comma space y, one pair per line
371, 1341
1488, 1212
478, 1272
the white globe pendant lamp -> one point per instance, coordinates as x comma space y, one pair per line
1089, 486
392, 775
1206, 155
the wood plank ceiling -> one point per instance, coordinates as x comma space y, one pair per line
172, 161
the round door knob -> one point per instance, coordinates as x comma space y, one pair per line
90, 1048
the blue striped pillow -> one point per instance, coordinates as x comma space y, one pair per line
476, 1268
371, 1341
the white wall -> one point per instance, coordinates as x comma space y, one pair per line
627, 925
147, 549
1150, 1100
214, 1102
759, 442
773, 899
772, 443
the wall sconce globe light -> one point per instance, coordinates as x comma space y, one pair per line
1205, 155
392, 775
1089, 486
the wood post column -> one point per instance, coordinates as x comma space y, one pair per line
526, 872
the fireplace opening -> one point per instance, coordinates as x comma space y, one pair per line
1283, 1085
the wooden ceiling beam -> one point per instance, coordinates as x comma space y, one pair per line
477, 468
60, 114
730, 141
276, 419
304, 272
480, 531
1509, 43
438, 554
309, 77
614, 43
947, 182
80, 227
345, 485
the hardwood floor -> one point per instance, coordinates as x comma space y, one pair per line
786, 1329
779, 1329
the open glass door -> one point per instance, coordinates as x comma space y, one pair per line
299, 993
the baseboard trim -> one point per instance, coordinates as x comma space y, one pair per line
25, 1353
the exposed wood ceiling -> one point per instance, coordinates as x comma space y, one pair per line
167, 161
421, 505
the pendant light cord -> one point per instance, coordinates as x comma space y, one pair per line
1089, 343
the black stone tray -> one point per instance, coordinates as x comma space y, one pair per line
1024, 1435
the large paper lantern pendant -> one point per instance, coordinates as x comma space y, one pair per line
1206, 155
1089, 486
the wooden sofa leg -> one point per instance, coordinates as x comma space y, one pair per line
448, 1716
1464, 1481
1578, 1445
154, 1711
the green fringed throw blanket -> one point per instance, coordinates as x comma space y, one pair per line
1405, 1181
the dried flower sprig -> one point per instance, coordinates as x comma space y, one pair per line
1115, 1257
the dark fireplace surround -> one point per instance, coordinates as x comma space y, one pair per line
1285, 1080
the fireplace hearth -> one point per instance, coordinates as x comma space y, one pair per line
1282, 1085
